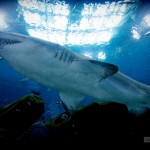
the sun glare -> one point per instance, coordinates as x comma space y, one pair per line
97, 24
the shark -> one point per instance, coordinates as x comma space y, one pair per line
72, 74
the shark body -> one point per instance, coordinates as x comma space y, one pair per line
74, 75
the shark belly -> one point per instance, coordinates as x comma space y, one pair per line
73, 84
74, 75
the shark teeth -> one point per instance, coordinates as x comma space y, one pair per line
8, 42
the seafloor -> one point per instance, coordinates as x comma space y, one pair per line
96, 124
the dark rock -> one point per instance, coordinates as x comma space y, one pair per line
92, 125
19, 116
96, 125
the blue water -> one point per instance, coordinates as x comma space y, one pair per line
132, 56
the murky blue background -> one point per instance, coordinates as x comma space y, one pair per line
112, 31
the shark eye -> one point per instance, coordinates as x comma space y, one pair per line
8, 41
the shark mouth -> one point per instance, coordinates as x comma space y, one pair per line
4, 42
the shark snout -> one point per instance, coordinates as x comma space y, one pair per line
7, 38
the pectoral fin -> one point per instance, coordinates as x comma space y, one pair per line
105, 68
98, 68
71, 99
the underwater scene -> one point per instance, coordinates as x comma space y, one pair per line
75, 72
